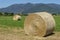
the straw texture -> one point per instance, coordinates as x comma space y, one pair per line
39, 24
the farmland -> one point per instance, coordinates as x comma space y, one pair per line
7, 21
13, 30
57, 19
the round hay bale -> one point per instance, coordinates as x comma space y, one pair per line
16, 17
39, 24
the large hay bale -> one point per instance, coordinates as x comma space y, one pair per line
39, 24
16, 17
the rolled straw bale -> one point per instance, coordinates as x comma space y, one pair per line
39, 24
16, 17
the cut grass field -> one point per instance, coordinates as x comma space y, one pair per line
7, 21
9, 30
57, 19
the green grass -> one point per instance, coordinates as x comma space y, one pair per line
6, 21
57, 19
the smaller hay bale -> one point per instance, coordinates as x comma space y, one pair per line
39, 24
16, 17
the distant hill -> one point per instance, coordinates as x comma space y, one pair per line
30, 8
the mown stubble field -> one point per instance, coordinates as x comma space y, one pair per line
14, 30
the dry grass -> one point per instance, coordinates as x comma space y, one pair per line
18, 34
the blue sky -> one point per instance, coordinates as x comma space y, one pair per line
6, 3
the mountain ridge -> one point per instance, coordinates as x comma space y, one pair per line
30, 8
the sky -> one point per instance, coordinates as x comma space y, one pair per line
6, 3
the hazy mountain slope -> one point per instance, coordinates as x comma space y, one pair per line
29, 8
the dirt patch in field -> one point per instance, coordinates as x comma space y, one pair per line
18, 34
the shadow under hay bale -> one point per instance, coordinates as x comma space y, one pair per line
49, 35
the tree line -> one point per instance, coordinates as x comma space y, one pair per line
6, 14
11, 14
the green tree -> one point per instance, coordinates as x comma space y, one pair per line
1, 13
5, 14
